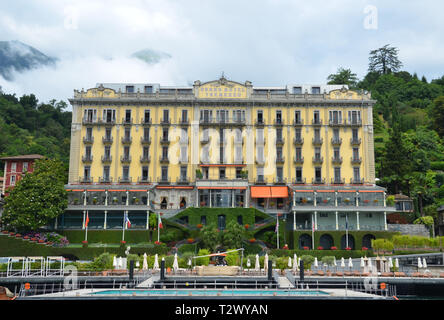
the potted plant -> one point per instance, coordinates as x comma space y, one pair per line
305, 248
272, 204
325, 201
95, 200
320, 248
252, 240
333, 248
18, 235
304, 200
347, 200
199, 225
76, 201
366, 201
202, 203
348, 248
364, 248
136, 200
157, 242
375, 201
247, 226
190, 240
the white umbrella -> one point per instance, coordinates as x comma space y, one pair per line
266, 262
362, 262
114, 262
248, 263
295, 263
334, 261
424, 263
156, 262
396, 263
189, 262
145, 262
419, 263
257, 265
175, 263
289, 262
315, 264
350, 263
119, 263
370, 266
390, 263
342, 262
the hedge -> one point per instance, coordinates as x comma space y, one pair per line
322, 253
437, 165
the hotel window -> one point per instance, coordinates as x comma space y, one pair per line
184, 116
260, 116
221, 154
145, 173
164, 172
107, 152
90, 115
146, 134
337, 173
356, 153
238, 115
279, 173
184, 135
318, 174
238, 154
183, 173
13, 166
279, 152
222, 116
166, 115
298, 133
130, 89
146, 152
86, 172
127, 134
297, 116
355, 134
278, 116
106, 173
315, 90
126, 152
336, 154
25, 167
298, 174
108, 134
238, 136
238, 173
125, 173
88, 152
317, 153
297, 90
354, 117
109, 115
298, 153
165, 134
127, 116
146, 118
279, 134
260, 173
206, 115
260, 156
164, 152
316, 117
335, 116
356, 174
89, 133
183, 154
335, 134
260, 136
12, 180
222, 173
205, 173
148, 89
317, 134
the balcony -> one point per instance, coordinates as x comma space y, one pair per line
318, 180
145, 158
355, 141
316, 122
204, 139
145, 140
336, 122
164, 140
125, 179
146, 121
238, 121
356, 181
183, 160
164, 159
183, 180
127, 140
184, 121
106, 140
89, 120
163, 180
125, 159
278, 122
205, 121
317, 140
298, 140
105, 179
318, 160
260, 141
88, 140
337, 181
298, 122
127, 121
298, 160
260, 180
280, 141
336, 141
259, 122
356, 160
280, 159
298, 180
107, 158
354, 122
143, 179
165, 122
110, 122
86, 179
279, 180
336, 160
87, 158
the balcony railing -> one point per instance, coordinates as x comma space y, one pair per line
165, 121
88, 139
163, 159
336, 122
298, 180
298, 122
107, 158
338, 180
182, 180
280, 159
146, 121
317, 140
298, 140
163, 180
125, 179
183, 160
127, 140
280, 140
318, 160
87, 120
143, 179
86, 179
336, 160
354, 122
145, 140
125, 159
105, 179
356, 181
298, 159
316, 122
279, 180
260, 122
260, 180
127, 121
204, 139
106, 139
355, 141
336, 141
356, 160
184, 121
145, 158
318, 180
164, 140
278, 122
87, 158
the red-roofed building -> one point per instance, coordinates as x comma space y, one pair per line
15, 167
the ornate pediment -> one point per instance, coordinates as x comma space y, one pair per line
221, 89
347, 94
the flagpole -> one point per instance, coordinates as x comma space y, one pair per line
124, 224
158, 227
312, 232
86, 226
277, 230
346, 230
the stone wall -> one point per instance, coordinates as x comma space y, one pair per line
410, 229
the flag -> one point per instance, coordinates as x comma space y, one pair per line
346, 222
313, 226
160, 223
127, 221
86, 220
277, 225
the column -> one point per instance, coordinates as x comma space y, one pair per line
232, 198
316, 220
357, 220
336, 198
147, 220
247, 198
385, 220
197, 198
294, 199
83, 223
105, 220
337, 223
210, 200
314, 198
294, 220
106, 198
385, 203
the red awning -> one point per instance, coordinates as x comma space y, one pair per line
279, 192
260, 192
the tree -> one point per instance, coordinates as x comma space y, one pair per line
343, 76
233, 235
384, 60
210, 237
37, 198
438, 115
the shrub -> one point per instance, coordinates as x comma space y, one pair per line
308, 260
104, 261
232, 258
329, 260
204, 261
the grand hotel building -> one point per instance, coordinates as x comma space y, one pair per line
303, 151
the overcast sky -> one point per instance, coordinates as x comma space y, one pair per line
271, 43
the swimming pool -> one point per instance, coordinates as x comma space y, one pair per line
194, 292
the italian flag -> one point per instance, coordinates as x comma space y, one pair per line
86, 220
160, 223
